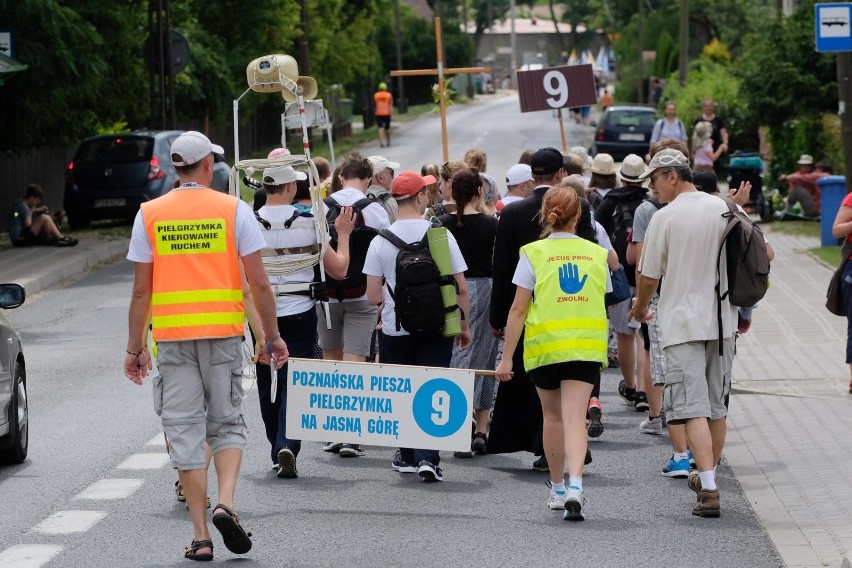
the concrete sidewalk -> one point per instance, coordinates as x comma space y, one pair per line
789, 426
38, 268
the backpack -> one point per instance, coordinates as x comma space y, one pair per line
747, 260
622, 227
355, 283
419, 306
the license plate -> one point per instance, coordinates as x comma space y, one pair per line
631, 137
110, 202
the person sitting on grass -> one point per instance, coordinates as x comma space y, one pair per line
30, 222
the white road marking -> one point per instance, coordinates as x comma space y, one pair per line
158, 440
28, 555
110, 489
67, 522
144, 461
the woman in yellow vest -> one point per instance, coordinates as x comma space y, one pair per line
561, 282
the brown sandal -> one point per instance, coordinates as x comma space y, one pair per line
236, 538
192, 553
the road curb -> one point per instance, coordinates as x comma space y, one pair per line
74, 265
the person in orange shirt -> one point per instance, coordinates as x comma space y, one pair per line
384, 110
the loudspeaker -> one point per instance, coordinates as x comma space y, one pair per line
266, 74
305, 86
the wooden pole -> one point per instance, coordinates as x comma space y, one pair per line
562, 131
441, 93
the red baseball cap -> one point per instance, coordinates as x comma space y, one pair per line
409, 183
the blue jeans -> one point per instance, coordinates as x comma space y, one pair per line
427, 350
299, 332
847, 300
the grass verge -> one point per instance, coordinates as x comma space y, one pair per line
829, 255
798, 228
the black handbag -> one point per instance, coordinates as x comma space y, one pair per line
620, 288
834, 296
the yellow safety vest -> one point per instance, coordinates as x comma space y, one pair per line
567, 319
197, 288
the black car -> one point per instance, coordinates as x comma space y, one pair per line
111, 176
14, 410
624, 130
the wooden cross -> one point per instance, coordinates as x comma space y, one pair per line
440, 71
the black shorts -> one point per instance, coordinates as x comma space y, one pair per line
646, 337
383, 121
26, 239
551, 376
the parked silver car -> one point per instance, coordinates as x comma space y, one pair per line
14, 412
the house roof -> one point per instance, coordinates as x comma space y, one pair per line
9, 67
527, 26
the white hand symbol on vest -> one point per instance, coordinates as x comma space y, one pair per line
569, 278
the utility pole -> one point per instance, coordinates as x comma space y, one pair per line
683, 60
513, 42
844, 107
640, 41
402, 104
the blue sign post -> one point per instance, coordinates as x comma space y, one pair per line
833, 27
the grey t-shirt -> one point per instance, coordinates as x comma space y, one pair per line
641, 218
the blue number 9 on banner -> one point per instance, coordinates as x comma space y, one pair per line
440, 408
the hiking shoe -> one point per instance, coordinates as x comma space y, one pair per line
66, 242
286, 464
480, 440
574, 502
676, 468
333, 447
429, 472
463, 455
595, 427
588, 459
540, 464
351, 450
641, 402
707, 504
556, 501
612, 361
694, 482
402, 466
627, 394
649, 426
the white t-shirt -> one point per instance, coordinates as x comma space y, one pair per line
681, 247
248, 235
375, 216
298, 235
525, 273
381, 261
603, 238
511, 199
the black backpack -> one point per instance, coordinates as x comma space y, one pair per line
747, 259
355, 283
622, 225
417, 294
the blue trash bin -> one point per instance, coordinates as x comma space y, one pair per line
832, 191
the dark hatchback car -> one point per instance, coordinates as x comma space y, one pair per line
111, 176
624, 130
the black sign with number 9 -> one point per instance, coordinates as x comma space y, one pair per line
569, 86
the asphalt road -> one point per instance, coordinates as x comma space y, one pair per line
87, 419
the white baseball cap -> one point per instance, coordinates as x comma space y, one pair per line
279, 175
518, 174
192, 146
380, 164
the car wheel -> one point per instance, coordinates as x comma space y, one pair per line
77, 221
19, 422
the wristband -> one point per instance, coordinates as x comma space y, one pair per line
135, 354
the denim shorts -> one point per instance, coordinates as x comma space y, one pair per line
198, 395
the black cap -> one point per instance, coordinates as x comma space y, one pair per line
705, 181
547, 161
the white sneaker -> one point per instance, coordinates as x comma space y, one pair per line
333, 447
556, 501
649, 426
429, 471
351, 451
574, 503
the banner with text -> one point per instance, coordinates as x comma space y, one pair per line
380, 405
